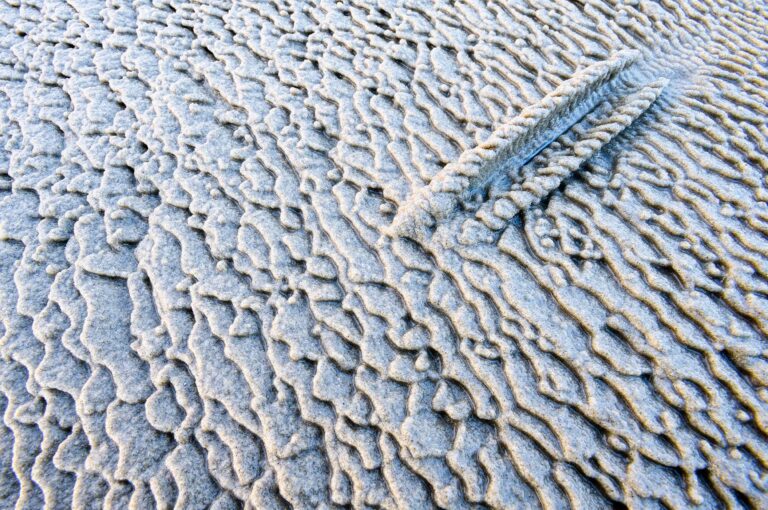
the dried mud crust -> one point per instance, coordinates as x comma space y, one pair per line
202, 303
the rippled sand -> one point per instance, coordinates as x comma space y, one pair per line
383, 254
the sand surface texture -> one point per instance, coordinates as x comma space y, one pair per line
383, 254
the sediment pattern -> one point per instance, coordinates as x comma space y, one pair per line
202, 303
509, 147
566, 155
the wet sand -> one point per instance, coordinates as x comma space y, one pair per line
388, 254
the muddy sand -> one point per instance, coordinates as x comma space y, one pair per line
383, 254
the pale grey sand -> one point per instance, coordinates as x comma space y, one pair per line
383, 254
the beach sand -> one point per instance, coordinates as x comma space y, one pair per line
383, 254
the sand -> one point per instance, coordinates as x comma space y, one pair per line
383, 254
